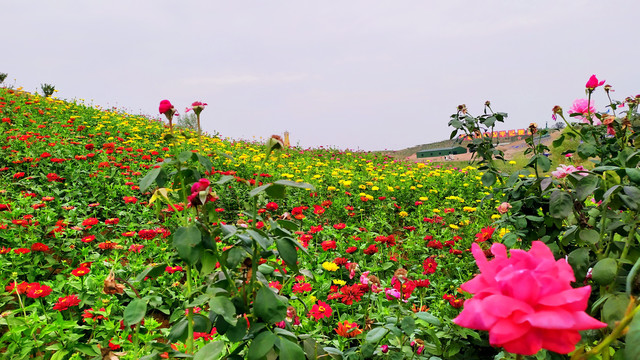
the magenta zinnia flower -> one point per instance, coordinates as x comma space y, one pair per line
526, 301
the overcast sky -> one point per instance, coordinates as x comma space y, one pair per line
358, 74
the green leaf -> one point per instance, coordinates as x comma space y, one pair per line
185, 156
560, 204
586, 186
408, 325
234, 256
543, 163
632, 351
260, 237
290, 350
614, 308
178, 331
224, 179
288, 253
579, 261
268, 307
296, 184
237, 333
222, 306
210, 351
428, 318
208, 261
599, 169
152, 272
375, 335
135, 311
148, 179
589, 236
632, 192
586, 150
185, 240
259, 189
605, 270
205, 162
261, 345
60, 354
87, 349
276, 191
287, 224
558, 142
488, 179
633, 174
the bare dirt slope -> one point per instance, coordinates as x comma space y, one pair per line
510, 151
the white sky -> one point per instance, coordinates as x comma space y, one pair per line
358, 74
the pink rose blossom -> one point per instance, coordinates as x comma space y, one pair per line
584, 108
197, 107
593, 83
526, 301
504, 208
165, 105
564, 170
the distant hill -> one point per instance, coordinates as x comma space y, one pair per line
405, 153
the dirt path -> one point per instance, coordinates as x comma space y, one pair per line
510, 151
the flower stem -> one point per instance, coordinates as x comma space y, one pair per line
189, 314
617, 332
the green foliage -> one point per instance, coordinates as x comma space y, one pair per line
47, 89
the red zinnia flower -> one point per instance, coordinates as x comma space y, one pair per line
171, 270
81, 271
328, 244
36, 290
88, 238
39, 247
88, 223
320, 310
485, 234
136, 248
372, 249
66, 302
271, 206
300, 288
339, 226
429, 265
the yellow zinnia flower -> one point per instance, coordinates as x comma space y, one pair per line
329, 266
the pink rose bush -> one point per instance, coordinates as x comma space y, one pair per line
526, 301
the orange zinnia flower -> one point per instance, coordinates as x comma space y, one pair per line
347, 329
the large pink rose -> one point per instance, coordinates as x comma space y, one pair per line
584, 108
526, 301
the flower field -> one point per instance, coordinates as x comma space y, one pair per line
122, 238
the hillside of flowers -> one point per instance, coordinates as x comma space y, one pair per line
122, 237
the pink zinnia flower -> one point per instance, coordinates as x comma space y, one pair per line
584, 108
526, 301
